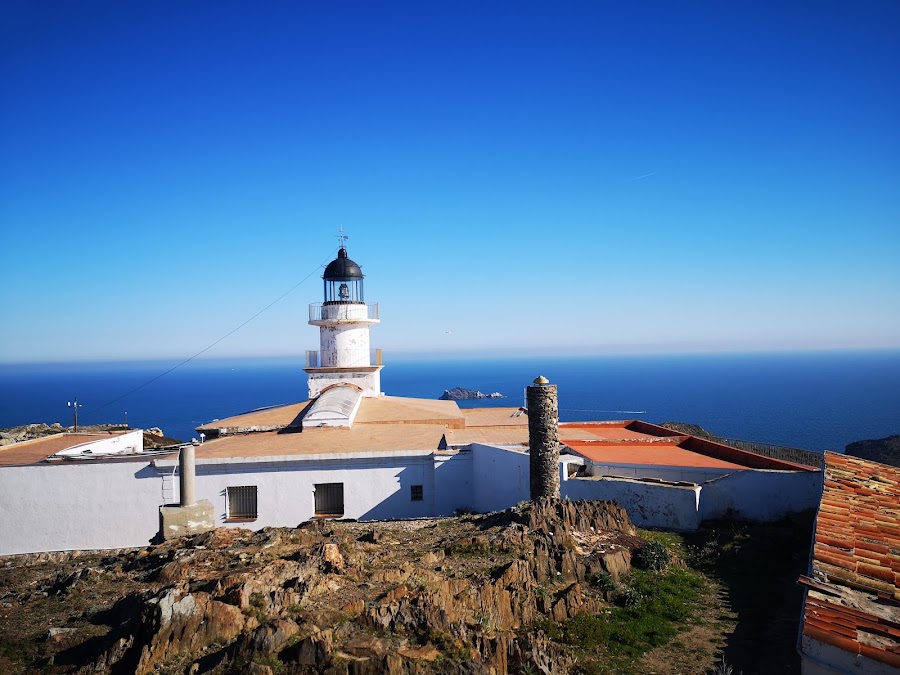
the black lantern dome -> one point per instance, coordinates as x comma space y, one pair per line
343, 280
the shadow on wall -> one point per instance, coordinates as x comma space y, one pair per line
412, 498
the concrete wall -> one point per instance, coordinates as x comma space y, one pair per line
500, 477
647, 504
71, 506
761, 495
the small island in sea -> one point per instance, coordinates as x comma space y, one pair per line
463, 394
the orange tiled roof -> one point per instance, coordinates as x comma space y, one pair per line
854, 604
638, 442
661, 452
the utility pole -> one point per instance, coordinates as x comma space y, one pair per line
74, 405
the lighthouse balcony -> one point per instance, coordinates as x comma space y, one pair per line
343, 311
344, 358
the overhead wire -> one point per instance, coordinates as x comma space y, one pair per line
224, 337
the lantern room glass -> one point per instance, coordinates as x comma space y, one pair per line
343, 290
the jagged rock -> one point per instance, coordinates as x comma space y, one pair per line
177, 622
427, 653
449, 596
313, 650
56, 634
272, 637
334, 561
882, 450
463, 394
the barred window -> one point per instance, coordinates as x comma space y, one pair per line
329, 500
242, 503
416, 493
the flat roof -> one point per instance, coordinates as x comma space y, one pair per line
402, 410
36, 450
393, 423
638, 442
275, 417
373, 438
853, 598
380, 410
667, 453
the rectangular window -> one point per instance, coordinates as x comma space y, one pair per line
416, 493
241, 503
329, 500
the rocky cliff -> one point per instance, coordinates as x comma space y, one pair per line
428, 596
883, 450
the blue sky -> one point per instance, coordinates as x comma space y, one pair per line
515, 178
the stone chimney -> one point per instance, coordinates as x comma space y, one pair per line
187, 473
189, 516
543, 439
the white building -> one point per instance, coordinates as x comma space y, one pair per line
352, 452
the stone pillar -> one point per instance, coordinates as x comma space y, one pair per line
543, 439
187, 475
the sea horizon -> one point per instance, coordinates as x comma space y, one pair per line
815, 400
444, 355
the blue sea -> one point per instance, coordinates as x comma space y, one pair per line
815, 401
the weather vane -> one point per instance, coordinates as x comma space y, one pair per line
342, 237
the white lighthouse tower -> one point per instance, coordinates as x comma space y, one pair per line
344, 355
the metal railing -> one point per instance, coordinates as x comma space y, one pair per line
349, 311
795, 455
344, 358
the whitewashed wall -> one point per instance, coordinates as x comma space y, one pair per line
374, 487
74, 506
647, 504
99, 504
453, 483
500, 477
757, 494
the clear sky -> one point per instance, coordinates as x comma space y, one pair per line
514, 177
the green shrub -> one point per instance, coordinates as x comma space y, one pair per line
603, 581
652, 556
629, 596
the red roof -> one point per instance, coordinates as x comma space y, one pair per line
637, 442
854, 601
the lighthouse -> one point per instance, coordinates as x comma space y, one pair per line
343, 318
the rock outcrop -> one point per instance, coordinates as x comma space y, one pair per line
462, 394
882, 450
27, 432
442, 595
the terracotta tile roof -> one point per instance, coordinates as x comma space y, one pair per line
854, 602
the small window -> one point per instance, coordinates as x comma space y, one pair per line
329, 498
416, 493
241, 503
